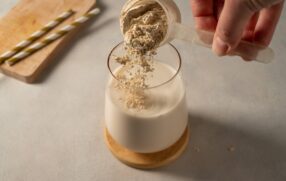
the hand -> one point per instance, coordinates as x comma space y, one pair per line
233, 20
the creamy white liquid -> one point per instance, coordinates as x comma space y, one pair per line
159, 125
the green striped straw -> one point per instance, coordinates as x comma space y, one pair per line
52, 37
36, 35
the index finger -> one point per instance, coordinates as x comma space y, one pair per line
266, 24
203, 13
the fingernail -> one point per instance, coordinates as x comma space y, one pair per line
220, 47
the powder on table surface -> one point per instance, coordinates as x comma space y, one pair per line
231, 148
144, 28
197, 149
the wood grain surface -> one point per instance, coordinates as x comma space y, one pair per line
27, 17
147, 160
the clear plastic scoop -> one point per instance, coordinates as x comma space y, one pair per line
176, 30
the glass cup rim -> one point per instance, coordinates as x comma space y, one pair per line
159, 85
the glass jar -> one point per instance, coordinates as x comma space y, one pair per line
165, 117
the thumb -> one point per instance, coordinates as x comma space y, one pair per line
233, 20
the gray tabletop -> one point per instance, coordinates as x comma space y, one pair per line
53, 130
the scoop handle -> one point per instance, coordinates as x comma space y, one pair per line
203, 38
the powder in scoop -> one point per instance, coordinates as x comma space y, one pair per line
145, 28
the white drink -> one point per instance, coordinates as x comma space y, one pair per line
158, 126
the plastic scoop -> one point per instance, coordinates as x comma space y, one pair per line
176, 30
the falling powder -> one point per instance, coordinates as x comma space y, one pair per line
144, 29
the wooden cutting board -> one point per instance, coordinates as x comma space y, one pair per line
27, 17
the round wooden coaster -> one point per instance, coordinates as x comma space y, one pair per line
147, 160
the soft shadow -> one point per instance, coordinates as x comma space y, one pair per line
2, 77
222, 153
85, 30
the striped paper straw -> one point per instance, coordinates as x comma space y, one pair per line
52, 37
36, 35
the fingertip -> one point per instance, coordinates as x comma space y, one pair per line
246, 59
266, 24
220, 47
231, 24
260, 38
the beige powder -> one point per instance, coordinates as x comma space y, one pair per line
144, 29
